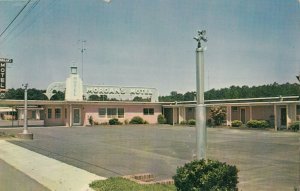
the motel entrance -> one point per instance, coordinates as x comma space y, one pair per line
283, 117
76, 116
168, 113
243, 115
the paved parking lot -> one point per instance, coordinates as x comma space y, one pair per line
266, 160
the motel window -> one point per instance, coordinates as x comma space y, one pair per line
57, 113
111, 112
102, 112
148, 111
234, 109
49, 113
120, 112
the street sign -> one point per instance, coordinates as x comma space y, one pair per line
6, 60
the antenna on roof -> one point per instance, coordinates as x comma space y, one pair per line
82, 50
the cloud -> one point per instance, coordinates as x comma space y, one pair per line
108, 1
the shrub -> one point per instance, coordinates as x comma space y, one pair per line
236, 123
126, 121
161, 119
137, 120
192, 122
258, 124
295, 126
114, 121
183, 123
146, 122
91, 121
209, 123
206, 175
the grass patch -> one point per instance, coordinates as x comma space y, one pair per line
121, 184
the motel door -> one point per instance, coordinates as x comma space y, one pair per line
243, 115
283, 117
76, 116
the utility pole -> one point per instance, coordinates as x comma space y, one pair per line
201, 132
83, 49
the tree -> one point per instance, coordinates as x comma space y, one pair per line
103, 98
35, 94
189, 96
18, 94
140, 99
218, 114
174, 96
97, 98
94, 98
58, 95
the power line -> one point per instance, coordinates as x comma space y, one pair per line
37, 16
25, 16
15, 17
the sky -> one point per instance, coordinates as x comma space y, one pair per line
150, 43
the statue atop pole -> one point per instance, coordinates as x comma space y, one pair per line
201, 36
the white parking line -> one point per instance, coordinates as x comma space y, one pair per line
51, 173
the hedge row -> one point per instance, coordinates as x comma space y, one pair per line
258, 124
115, 121
251, 123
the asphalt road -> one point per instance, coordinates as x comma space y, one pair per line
266, 160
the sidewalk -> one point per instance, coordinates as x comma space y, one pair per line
13, 179
52, 174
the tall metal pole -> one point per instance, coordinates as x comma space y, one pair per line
25, 134
83, 49
25, 131
201, 132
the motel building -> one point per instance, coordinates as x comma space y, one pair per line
76, 110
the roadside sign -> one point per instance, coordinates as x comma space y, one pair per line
6, 60
3, 62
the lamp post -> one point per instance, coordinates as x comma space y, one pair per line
25, 134
25, 131
201, 132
